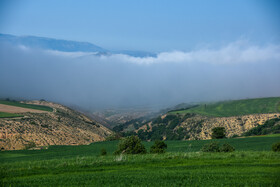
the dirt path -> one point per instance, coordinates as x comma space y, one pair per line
15, 109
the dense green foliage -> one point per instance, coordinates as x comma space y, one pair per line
226, 148
158, 147
131, 145
236, 108
271, 126
218, 133
276, 147
9, 115
211, 147
23, 105
215, 147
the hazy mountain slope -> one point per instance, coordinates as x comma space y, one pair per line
65, 45
50, 43
63, 126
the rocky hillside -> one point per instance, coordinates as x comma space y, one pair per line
197, 122
62, 126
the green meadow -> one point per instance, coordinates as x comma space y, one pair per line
235, 108
252, 164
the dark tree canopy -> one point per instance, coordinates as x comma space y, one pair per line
158, 147
218, 133
131, 145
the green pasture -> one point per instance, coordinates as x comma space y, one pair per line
256, 143
252, 164
23, 105
235, 108
170, 169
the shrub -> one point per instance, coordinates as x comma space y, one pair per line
103, 152
158, 147
30, 145
227, 148
235, 136
218, 133
131, 145
211, 147
276, 147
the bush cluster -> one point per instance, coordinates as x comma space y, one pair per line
158, 147
214, 147
131, 145
103, 152
218, 133
276, 147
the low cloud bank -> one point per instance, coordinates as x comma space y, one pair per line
93, 81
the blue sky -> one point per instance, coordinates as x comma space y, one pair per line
149, 25
209, 50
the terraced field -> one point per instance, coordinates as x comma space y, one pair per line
9, 115
30, 106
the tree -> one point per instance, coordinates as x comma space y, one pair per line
158, 147
276, 147
131, 145
103, 152
218, 133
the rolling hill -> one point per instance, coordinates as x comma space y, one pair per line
41, 123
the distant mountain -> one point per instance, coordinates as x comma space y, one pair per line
51, 44
136, 53
65, 45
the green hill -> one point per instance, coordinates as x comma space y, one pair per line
235, 108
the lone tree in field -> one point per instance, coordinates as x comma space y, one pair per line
131, 145
158, 147
218, 133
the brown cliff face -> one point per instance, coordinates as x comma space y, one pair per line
63, 126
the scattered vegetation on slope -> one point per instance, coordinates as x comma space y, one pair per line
271, 126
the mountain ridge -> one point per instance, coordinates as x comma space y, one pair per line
54, 44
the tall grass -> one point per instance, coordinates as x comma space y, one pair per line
170, 169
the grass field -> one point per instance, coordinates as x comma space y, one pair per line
23, 105
253, 164
236, 108
9, 115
